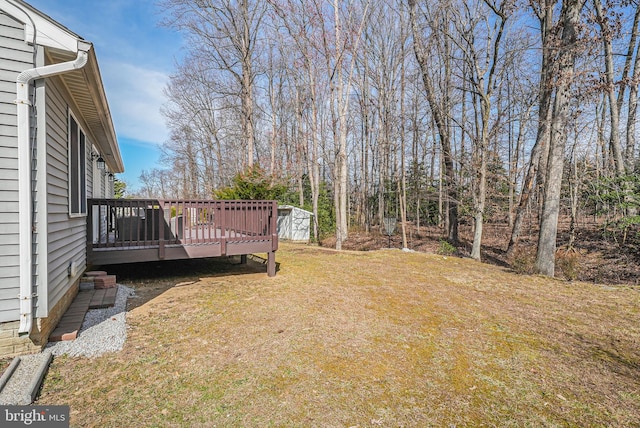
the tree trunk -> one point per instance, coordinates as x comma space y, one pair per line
341, 175
314, 170
614, 113
570, 19
274, 121
543, 132
632, 115
402, 191
247, 84
481, 190
483, 88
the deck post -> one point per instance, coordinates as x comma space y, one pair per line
161, 221
271, 263
273, 226
222, 225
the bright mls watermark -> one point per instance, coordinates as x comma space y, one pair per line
34, 416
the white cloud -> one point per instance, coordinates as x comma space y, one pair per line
135, 98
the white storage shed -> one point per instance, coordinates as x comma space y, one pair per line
294, 224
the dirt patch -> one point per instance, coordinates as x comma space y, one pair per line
597, 256
382, 338
154, 278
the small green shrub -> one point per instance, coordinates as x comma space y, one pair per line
446, 249
253, 184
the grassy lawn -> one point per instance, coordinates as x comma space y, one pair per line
381, 338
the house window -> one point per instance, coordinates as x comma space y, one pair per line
77, 169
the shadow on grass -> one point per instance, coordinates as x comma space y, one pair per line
151, 279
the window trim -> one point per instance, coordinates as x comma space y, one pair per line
77, 177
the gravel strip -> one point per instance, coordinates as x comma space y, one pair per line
103, 330
19, 388
9, 372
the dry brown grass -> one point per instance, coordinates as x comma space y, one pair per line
4, 364
383, 338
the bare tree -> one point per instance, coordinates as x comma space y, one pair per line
327, 94
302, 26
567, 52
543, 9
481, 47
226, 33
610, 89
341, 81
630, 153
608, 21
205, 132
438, 93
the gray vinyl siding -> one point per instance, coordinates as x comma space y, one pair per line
16, 56
98, 184
104, 181
90, 172
66, 234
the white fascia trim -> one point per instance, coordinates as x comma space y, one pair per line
46, 31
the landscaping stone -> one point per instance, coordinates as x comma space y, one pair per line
86, 283
94, 273
105, 281
71, 321
103, 298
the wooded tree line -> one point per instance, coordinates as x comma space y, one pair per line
431, 111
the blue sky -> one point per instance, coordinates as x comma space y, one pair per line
136, 56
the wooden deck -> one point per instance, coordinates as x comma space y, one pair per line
141, 230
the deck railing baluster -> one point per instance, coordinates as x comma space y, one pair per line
196, 222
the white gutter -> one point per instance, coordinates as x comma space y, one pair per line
25, 223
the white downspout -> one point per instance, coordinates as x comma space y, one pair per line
25, 221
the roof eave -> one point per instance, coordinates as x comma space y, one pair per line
111, 150
63, 45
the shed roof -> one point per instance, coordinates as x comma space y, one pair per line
291, 207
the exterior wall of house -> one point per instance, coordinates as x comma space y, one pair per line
66, 234
59, 239
16, 56
91, 172
39, 234
98, 184
104, 187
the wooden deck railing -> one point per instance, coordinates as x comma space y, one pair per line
131, 230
